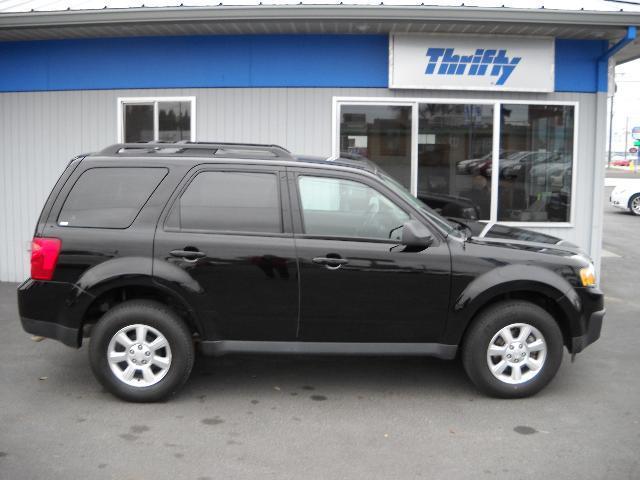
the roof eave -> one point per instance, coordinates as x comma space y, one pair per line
361, 13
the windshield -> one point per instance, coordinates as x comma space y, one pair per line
447, 226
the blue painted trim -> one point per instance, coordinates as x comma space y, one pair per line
603, 61
577, 65
195, 61
239, 61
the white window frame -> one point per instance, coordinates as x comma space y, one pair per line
122, 101
338, 102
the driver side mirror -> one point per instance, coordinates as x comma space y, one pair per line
415, 235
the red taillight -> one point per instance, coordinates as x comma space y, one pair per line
44, 256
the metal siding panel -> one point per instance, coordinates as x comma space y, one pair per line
42, 131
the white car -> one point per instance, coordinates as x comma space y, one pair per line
627, 196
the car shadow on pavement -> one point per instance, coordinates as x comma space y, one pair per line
316, 376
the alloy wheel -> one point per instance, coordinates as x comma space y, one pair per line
516, 353
139, 355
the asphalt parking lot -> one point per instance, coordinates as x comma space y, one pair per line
332, 418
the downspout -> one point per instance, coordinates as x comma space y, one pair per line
599, 145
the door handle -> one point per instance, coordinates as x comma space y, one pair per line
331, 263
188, 255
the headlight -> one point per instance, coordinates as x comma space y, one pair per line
588, 276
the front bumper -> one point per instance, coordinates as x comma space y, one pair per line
592, 333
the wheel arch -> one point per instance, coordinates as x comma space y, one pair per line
534, 284
109, 294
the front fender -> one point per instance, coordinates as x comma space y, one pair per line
510, 279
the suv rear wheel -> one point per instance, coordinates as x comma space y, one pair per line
141, 351
513, 349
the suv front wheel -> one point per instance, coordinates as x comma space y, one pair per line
141, 351
513, 349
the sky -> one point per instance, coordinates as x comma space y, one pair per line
626, 104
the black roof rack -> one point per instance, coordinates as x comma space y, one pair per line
199, 149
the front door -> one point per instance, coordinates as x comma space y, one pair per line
357, 283
226, 233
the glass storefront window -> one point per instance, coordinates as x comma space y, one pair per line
454, 158
451, 156
381, 133
535, 177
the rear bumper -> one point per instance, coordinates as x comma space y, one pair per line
50, 309
619, 200
592, 333
67, 335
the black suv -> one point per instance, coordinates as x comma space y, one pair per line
154, 250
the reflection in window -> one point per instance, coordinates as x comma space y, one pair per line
174, 121
535, 177
343, 208
454, 158
381, 133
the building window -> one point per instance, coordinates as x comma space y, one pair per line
454, 157
510, 162
156, 119
535, 178
381, 133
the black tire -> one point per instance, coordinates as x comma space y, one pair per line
487, 324
161, 318
633, 212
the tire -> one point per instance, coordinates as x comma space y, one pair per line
158, 371
634, 204
492, 327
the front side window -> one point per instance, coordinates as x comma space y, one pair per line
344, 208
153, 120
109, 197
229, 202
535, 177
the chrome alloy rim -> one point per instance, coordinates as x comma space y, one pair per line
517, 353
139, 355
635, 205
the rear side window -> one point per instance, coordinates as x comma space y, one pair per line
109, 197
229, 201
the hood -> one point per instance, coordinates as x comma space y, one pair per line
519, 238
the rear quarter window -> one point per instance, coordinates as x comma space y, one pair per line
109, 197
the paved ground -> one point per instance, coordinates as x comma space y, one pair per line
330, 418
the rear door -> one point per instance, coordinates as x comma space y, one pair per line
357, 283
226, 239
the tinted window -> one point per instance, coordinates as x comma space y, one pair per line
109, 197
337, 207
229, 201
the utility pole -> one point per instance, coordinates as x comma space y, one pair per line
626, 138
610, 130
